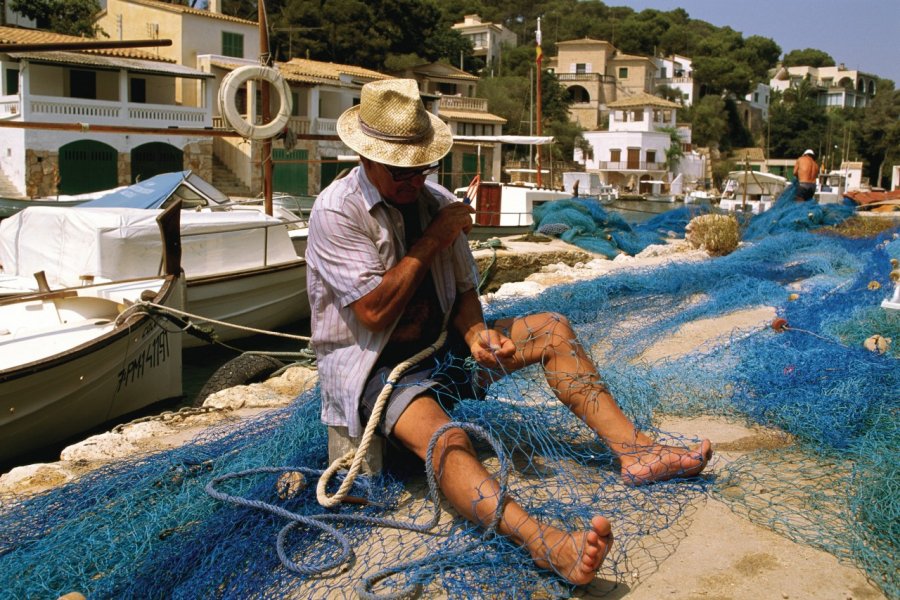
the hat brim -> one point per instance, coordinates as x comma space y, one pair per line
423, 152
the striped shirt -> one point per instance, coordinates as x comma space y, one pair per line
354, 238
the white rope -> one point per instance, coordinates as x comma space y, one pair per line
354, 459
181, 313
232, 83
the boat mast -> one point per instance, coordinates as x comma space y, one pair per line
538, 103
266, 149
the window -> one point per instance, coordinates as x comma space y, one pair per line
295, 104
623, 72
580, 68
12, 82
232, 44
83, 84
651, 156
615, 155
138, 91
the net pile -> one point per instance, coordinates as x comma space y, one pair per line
147, 528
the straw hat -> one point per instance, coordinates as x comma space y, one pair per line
391, 126
810, 152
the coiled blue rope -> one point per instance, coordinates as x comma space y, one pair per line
321, 521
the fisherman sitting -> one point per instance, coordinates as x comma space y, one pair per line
390, 272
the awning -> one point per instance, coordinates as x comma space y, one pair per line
525, 140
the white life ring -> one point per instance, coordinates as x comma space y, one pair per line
228, 107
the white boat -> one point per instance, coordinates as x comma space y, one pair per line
198, 195
588, 185
751, 191
240, 266
505, 208
74, 358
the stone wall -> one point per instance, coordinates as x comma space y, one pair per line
41, 173
198, 158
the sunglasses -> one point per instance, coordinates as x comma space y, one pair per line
400, 174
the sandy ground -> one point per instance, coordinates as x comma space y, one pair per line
721, 556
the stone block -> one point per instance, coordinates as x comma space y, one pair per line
340, 443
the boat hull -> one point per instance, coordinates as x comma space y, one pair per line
112, 371
267, 299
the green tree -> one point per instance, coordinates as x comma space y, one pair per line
796, 122
879, 134
709, 121
674, 152
71, 17
808, 57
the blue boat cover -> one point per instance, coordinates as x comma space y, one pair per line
144, 194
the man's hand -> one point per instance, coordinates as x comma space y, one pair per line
449, 222
492, 349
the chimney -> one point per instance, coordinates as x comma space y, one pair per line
214, 6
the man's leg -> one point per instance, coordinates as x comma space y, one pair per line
547, 338
473, 493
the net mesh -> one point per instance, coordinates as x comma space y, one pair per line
147, 527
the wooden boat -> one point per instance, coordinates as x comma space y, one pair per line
240, 266
74, 358
503, 209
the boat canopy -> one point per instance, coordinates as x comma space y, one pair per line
523, 140
162, 190
110, 244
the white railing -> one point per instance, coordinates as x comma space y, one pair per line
170, 115
9, 107
326, 126
71, 107
461, 103
108, 112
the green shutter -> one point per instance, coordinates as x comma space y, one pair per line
232, 44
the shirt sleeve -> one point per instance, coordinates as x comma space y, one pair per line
345, 254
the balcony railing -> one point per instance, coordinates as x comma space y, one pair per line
671, 80
627, 165
585, 78
299, 125
460, 103
57, 109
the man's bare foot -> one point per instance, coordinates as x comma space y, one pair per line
575, 556
655, 462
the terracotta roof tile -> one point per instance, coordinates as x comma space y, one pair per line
749, 153
641, 100
300, 67
472, 116
17, 35
189, 11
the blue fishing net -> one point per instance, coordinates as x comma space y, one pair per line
147, 527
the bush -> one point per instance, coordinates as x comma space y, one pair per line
717, 234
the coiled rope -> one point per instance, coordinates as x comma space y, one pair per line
353, 460
322, 521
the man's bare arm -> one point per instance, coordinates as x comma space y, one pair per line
384, 305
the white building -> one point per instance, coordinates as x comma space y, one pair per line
833, 86
68, 92
633, 151
488, 40
676, 72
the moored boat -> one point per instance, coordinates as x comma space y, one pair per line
240, 266
506, 209
74, 358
